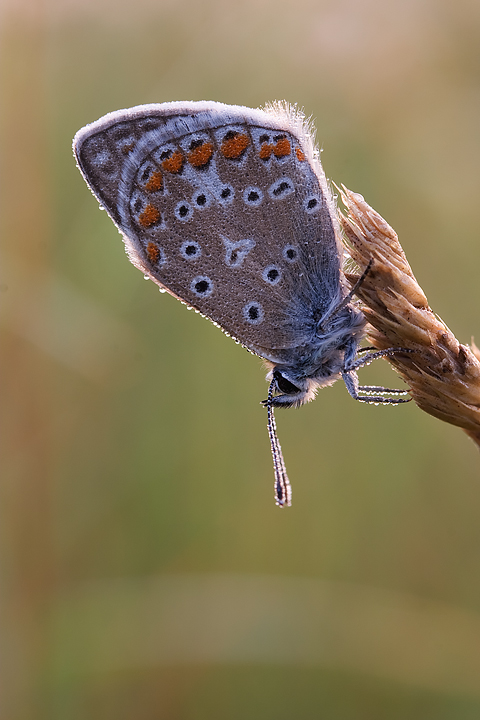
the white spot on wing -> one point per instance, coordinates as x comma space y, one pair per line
236, 251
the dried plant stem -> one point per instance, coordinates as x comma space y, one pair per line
443, 374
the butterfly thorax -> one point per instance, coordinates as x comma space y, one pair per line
321, 361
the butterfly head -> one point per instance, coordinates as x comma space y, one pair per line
321, 362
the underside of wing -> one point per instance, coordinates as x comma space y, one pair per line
225, 207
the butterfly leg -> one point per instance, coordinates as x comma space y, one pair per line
347, 299
350, 378
377, 388
368, 389
371, 356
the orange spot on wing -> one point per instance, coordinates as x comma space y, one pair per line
234, 146
282, 148
155, 182
149, 216
174, 163
153, 253
128, 148
265, 151
200, 155
300, 155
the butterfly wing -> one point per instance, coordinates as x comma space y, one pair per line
226, 208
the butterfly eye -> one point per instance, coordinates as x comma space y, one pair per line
284, 385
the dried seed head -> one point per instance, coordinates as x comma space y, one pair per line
443, 374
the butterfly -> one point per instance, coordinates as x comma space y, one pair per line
227, 208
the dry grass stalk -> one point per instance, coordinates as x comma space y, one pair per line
443, 374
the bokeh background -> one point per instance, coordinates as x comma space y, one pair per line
146, 572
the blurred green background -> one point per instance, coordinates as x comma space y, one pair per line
146, 572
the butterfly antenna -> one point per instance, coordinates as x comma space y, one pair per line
283, 489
